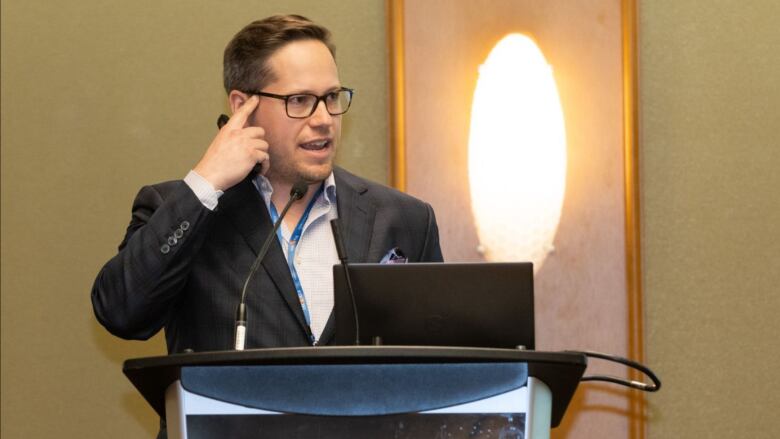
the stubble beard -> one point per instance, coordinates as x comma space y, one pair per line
316, 174
293, 173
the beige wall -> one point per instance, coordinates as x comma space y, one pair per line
91, 94
99, 98
710, 112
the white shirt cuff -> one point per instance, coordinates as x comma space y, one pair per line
205, 192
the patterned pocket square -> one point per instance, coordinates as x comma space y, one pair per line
394, 256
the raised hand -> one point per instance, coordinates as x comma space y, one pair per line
236, 149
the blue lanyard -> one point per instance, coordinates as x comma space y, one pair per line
291, 247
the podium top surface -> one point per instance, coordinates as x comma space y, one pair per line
560, 371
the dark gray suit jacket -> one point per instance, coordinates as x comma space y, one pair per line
182, 266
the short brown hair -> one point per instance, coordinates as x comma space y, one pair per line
245, 61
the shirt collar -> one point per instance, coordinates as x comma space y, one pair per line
330, 189
263, 185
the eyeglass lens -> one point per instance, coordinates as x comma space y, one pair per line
304, 105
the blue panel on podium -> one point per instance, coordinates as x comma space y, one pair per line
354, 389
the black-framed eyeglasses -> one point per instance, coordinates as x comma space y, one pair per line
303, 105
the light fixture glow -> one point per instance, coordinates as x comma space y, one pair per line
517, 153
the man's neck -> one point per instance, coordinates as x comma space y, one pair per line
281, 195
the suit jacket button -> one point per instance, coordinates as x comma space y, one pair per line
172, 240
185, 225
178, 233
165, 249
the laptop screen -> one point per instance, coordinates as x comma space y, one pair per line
437, 304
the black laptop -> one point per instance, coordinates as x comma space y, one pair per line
437, 304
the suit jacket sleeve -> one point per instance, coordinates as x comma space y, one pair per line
135, 291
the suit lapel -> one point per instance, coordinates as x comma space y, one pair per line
245, 208
356, 214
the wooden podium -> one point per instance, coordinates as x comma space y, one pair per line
360, 392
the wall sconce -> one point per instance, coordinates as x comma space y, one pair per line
517, 153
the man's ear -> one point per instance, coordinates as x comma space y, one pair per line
236, 99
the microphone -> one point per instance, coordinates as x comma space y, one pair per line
222, 120
342, 253
296, 193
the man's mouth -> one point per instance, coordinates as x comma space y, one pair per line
315, 145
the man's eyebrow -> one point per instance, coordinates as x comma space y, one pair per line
312, 92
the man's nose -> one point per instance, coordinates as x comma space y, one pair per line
321, 115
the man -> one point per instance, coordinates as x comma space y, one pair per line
190, 243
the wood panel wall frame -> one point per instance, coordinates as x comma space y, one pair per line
399, 176
634, 290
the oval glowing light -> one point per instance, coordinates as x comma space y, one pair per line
517, 153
